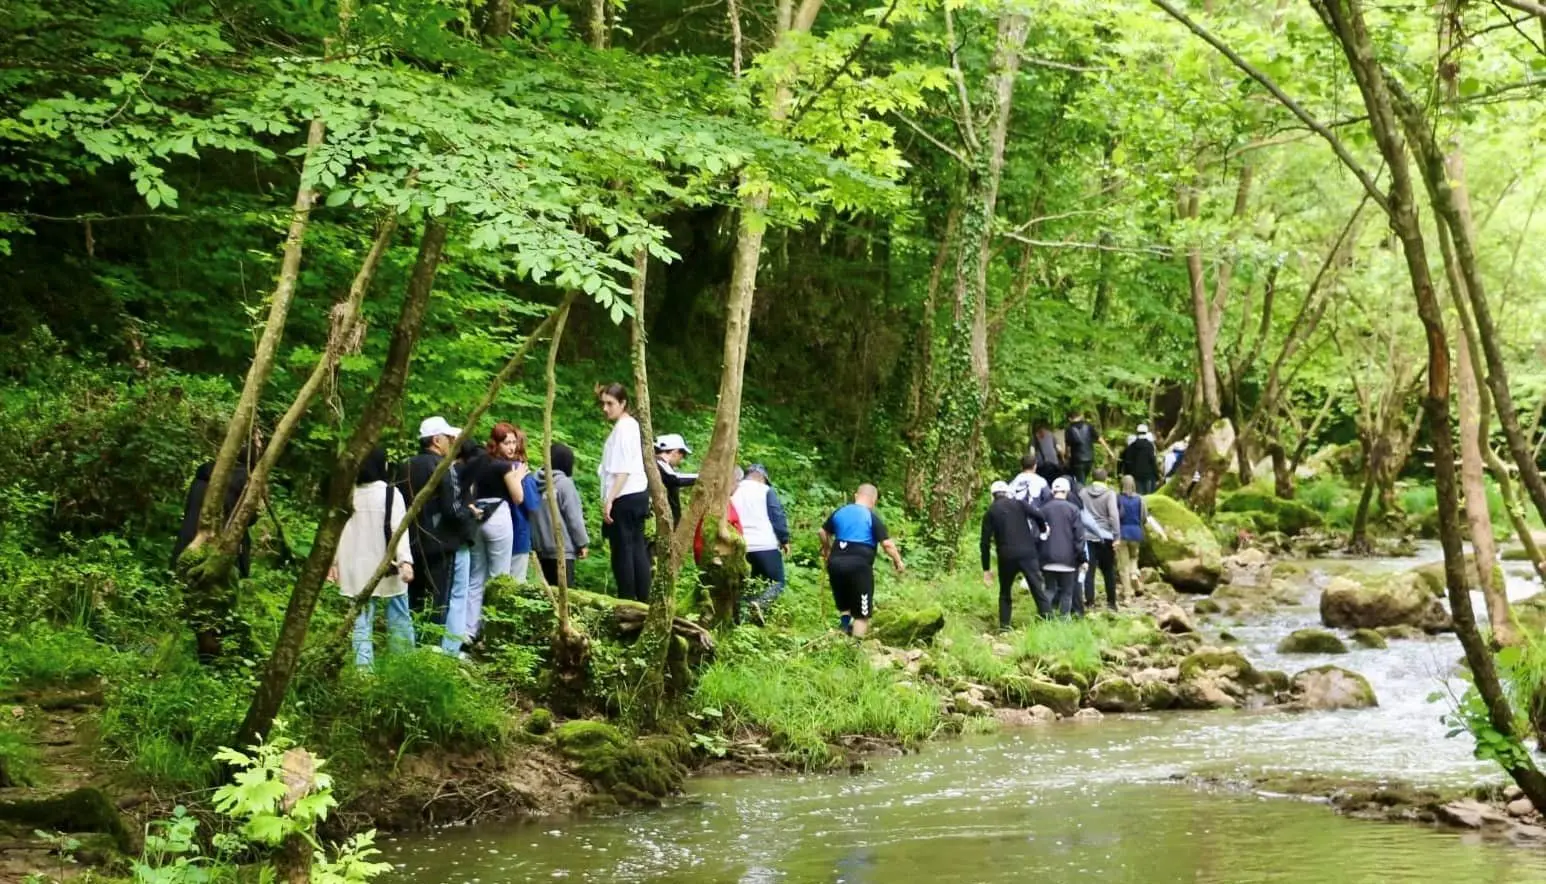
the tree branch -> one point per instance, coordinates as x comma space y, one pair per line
952, 152
1534, 9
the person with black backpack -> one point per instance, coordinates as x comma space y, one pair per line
378, 511
436, 534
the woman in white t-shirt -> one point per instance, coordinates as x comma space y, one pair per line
378, 511
625, 498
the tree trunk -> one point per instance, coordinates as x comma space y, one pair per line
1344, 18
964, 397
920, 388
570, 646
269, 696
1282, 473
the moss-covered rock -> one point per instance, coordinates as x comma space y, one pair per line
1158, 695
539, 722
1432, 575
1188, 556
1394, 600
1269, 513
1332, 687
903, 627
1400, 631
1024, 690
1226, 660
635, 772
82, 810
1207, 606
1116, 695
1369, 638
1311, 641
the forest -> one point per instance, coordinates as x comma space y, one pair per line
851, 243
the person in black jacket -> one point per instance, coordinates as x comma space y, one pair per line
1079, 443
1141, 461
436, 533
1062, 549
670, 450
195, 503
1008, 524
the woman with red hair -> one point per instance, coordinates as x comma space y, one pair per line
504, 489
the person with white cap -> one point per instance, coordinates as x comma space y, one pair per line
1007, 523
1141, 461
436, 533
670, 450
1062, 549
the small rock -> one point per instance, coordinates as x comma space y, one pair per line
1022, 717
1311, 641
1512, 792
1043, 713
1088, 715
969, 703
1206, 606
1000, 649
1520, 807
1369, 638
1173, 620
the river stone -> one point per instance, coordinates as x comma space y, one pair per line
1512, 792
1207, 606
1369, 638
1432, 576
1396, 600
1116, 695
1214, 678
1248, 567
1401, 631
1468, 813
1208, 691
972, 703
1311, 641
1172, 619
1024, 717
1088, 715
1188, 556
1332, 687
1158, 695
1520, 807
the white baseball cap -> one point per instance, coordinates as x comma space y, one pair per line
999, 488
436, 426
671, 442
1060, 484
1142, 429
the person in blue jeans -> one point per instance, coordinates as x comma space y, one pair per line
378, 511
469, 517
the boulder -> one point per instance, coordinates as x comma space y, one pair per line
1311, 641
1270, 513
1158, 695
1332, 687
1024, 690
971, 703
903, 627
1468, 813
1520, 807
1036, 715
1188, 556
1432, 575
1116, 695
1369, 638
1248, 567
1400, 599
1214, 678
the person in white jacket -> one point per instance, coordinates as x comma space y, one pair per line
378, 511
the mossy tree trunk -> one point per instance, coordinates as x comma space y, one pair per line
571, 647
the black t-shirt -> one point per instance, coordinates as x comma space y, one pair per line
488, 478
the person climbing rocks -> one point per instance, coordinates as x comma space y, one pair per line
1030, 485
670, 450
1079, 446
766, 530
625, 497
1100, 503
849, 539
1141, 461
1133, 518
1062, 548
1013, 526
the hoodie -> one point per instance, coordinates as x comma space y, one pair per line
1101, 502
544, 542
1063, 547
1008, 523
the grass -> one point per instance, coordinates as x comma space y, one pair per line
39, 656
18, 755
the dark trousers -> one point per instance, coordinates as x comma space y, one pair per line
630, 551
431, 586
1081, 471
1146, 485
1063, 587
1103, 557
550, 570
767, 564
1048, 471
1008, 571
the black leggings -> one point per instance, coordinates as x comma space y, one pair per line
630, 551
1008, 571
1103, 557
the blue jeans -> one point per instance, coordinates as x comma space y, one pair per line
399, 629
456, 607
768, 565
491, 557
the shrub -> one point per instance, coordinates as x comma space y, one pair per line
170, 724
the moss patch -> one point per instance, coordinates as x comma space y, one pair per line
634, 772
1311, 641
1369, 638
1023, 690
900, 628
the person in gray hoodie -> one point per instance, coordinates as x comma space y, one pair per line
1100, 502
544, 540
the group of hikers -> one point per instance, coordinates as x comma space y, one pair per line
489, 517
1057, 522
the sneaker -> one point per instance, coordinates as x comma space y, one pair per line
754, 611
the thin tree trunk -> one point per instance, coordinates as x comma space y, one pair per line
920, 389
1358, 542
570, 646
269, 696
1344, 18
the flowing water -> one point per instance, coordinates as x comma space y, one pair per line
1068, 802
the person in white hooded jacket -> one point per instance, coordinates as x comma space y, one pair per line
378, 511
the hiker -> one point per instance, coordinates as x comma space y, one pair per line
233, 493
849, 539
504, 490
1134, 517
1029, 486
469, 521
1062, 548
1100, 502
1173, 458
1044, 450
571, 516
767, 535
670, 450
1140, 460
378, 511
1008, 523
625, 498
1079, 446
435, 533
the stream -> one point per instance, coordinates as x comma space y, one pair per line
1063, 802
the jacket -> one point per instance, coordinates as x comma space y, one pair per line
1079, 442
195, 502
1008, 524
378, 510
674, 483
1064, 543
1139, 459
544, 542
1101, 503
1031, 488
762, 516
437, 532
